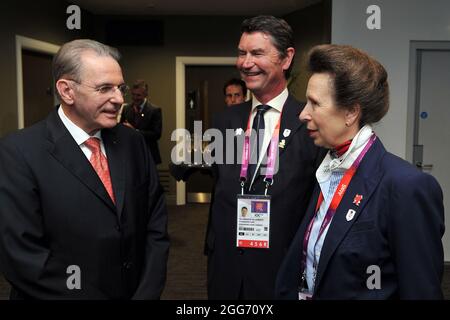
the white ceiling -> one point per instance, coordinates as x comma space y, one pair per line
193, 7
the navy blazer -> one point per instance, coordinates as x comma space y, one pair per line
398, 227
55, 212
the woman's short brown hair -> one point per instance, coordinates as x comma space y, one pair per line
357, 79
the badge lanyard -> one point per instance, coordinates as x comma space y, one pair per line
336, 200
271, 156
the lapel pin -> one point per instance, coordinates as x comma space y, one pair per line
286, 133
350, 214
238, 132
357, 199
282, 144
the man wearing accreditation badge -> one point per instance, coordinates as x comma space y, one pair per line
272, 175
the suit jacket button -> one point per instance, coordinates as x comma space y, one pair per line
118, 228
128, 265
241, 251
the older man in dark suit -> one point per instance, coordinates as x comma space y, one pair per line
82, 214
244, 253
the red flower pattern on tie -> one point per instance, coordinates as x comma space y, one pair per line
100, 164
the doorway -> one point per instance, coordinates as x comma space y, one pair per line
38, 52
38, 96
204, 99
431, 135
181, 64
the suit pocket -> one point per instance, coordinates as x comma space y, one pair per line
360, 234
362, 226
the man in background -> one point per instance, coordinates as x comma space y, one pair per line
144, 117
235, 91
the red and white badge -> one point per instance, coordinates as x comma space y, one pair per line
357, 199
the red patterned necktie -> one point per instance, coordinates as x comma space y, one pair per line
100, 164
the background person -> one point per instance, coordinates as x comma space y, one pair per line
144, 117
235, 91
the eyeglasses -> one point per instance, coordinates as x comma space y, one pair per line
107, 89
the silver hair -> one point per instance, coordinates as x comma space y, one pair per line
67, 61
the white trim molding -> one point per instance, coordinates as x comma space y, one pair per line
34, 45
180, 85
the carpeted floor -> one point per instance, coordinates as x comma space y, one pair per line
186, 272
186, 276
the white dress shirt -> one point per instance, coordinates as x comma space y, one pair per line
270, 121
79, 135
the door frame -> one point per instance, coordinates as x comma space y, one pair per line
33, 45
414, 86
181, 63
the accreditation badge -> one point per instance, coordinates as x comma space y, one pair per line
253, 221
304, 295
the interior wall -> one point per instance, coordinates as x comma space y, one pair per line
311, 26
401, 22
184, 36
43, 20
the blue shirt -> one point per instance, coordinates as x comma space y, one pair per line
328, 189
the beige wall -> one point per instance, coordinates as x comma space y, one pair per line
311, 26
43, 20
184, 36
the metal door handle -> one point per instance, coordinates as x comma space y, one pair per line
424, 166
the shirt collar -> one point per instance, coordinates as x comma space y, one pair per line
79, 135
141, 107
277, 103
346, 160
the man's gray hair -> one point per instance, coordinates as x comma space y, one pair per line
67, 61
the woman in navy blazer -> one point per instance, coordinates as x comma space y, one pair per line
374, 225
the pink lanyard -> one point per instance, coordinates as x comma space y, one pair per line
336, 200
271, 156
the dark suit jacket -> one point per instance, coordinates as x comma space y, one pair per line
150, 125
230, 267
55, 212
398, 227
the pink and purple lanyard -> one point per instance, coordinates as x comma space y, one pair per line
271, 156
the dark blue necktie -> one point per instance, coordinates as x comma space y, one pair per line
256, 139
